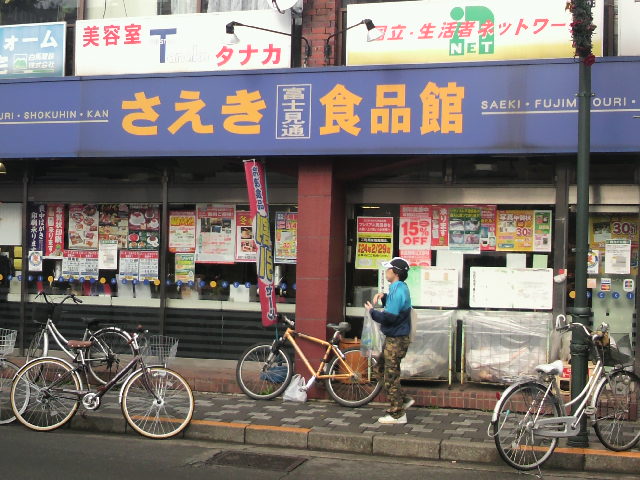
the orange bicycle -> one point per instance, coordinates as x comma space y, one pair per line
264, 371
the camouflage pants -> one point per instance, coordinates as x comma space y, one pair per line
388, 369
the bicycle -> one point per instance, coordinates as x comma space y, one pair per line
265, 370
156, 402
8, 370
108, 343
531, 416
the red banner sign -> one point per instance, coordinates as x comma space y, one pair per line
259, 211
54, 242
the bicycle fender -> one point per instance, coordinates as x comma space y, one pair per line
129, 378
509, 389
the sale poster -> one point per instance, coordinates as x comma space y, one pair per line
148, 266
286, 237
185, 267
80, 264
37, 227
515, 231
604, 227
54, 243
108, 255
129, 262
488, 228
374, 242
83, 227
144, 227
182, 231
415, 234
464, 229
439, 227
215, 241
542, 231
114, 223
245, 244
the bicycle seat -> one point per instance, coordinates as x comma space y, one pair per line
340, 327
78, 344
90, 322
554, 368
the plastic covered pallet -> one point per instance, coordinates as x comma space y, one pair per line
501, 346
428, 355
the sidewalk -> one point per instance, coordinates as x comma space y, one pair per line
432, 432
435, 434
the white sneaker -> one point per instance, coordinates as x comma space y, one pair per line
409, 403
389, 420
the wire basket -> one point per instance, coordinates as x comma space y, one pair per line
159, 349
7, 341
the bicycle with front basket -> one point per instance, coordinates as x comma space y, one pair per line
156, 402
8, 370
531, 415
108, 344
265, 370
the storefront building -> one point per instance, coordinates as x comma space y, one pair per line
127, 187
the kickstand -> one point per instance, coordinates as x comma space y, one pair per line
533, 474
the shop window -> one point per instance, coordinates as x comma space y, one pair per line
13, 12
453, 238
212, 254
234, 5
139, 8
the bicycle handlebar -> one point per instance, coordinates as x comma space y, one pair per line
287, 320
71, 296
593, 335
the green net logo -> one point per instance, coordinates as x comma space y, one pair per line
474, 32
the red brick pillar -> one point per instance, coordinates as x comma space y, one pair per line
319, 20
321, 255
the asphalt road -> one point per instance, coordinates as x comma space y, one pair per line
72, 455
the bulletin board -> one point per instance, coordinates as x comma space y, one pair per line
518, 288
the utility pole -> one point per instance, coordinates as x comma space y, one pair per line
582, 28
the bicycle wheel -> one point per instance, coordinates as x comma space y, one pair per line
157, 402
38, 396
517, 443
262, 375
358, 390
616, 419
7, 372
106, 357
36, 347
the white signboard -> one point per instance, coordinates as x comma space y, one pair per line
522, 288
628, 32
433, 287
181, 43
10, 224
617, 257
436, 31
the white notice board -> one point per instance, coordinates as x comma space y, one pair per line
523, 288
10, 224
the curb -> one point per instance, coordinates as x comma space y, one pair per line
371, 443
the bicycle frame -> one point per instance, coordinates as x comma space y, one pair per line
291, 335
51, 330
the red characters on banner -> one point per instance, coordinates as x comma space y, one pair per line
259, 211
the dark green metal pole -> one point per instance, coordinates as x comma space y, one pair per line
581, 311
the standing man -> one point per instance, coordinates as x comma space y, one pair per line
395, 324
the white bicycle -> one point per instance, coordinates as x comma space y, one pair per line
531, 415
8, 370
108, 344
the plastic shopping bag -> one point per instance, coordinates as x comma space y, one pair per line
372, 337
296, 392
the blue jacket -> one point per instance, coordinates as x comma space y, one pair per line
395, 319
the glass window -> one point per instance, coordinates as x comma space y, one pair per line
234, 5
139, 8
13, 12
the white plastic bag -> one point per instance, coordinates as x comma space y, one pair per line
414, 323
372, 338
296, 392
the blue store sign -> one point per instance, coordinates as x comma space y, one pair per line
34, 50
498, 108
